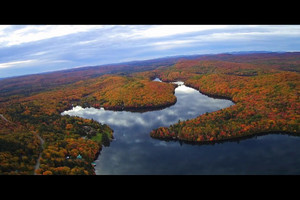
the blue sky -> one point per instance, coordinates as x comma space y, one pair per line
28, 49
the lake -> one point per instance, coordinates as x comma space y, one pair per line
134, 152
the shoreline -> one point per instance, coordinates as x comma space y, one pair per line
233, 139
215, 96
132, 109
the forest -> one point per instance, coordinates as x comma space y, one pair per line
36, 139
266, 97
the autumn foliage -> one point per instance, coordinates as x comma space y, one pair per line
267, 101
264, 87
65, 137
125, 93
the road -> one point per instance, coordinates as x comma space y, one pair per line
1, 116
37, 165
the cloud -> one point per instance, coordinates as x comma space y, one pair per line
170, 30
183, 89
2, 28
164, 117
87, 42
15, 63
163, 45
39, 53
67, 46
30, 33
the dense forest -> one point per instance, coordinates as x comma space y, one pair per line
266, 97
36, 139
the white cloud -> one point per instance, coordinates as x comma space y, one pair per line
243, 32
162, 37
31, 62
184, 89
14, 63
138, 32
231, 32
32, 33
103, 44
2, 28
39, 53
169, 30
87, 42
171, 44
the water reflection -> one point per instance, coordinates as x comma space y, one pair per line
157, 79
133, 151
190, 103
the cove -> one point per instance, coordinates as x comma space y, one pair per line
133, 151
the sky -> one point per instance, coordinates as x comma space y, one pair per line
30, 49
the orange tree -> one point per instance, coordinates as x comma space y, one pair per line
264, 103
36, 114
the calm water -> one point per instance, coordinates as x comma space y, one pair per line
133, 151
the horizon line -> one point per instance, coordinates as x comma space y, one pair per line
143, 60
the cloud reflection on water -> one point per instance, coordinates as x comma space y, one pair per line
133, 151
190, 103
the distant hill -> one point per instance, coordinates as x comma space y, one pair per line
288, 61
249, 52
35, 138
